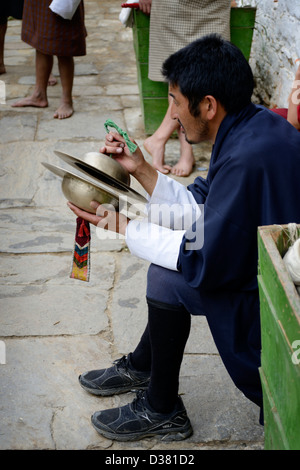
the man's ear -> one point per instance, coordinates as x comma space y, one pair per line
209, 107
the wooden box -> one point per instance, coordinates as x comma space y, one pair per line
280, 325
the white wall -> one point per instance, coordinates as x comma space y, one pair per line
275, 48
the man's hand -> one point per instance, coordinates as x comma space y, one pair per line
145, 6
116, 147
134, 163
104, 218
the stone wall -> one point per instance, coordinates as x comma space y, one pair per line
275, 48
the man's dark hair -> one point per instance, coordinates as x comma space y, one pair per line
211, 66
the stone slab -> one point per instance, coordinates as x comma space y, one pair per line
85, 69
84, 126
129, 311
50, 230
33, 242
54, 270
134, 122
122, 89
200, 340
25, 181
17, 60
84, 90
18, 127
21, 169
50, 410
42, 310
103, 104
128, 306
219, 412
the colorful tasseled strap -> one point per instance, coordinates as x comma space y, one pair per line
81, 253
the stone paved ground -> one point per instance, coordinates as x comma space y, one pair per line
53, 328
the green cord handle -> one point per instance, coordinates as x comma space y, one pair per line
109, 123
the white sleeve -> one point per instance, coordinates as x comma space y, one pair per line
172, 205
154, 243
171, 210
170, 191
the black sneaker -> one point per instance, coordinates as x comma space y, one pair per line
119, 378
136, 421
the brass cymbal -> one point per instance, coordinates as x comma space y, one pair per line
81, 190
103, 168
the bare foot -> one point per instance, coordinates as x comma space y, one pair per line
52, 80
157, 151
31, 101
2, 69
65, 110
184, 166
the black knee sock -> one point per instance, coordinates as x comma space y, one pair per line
169, 328
140, 358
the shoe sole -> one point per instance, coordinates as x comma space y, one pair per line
112, 391
166, 436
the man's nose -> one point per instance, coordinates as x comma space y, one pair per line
173, 112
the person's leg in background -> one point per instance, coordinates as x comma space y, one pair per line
66, 71
43, 67
155, 146
3, 28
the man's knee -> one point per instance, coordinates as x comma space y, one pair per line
155, 271
158, 275
160, 284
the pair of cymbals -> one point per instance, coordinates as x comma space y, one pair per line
107, 181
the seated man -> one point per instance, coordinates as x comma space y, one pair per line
208, 267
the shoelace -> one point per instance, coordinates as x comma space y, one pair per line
122, 363
138, 404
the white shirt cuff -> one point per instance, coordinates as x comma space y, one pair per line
154, 243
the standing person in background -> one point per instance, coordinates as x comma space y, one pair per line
173, 25
14, 9
292, 113
63, 38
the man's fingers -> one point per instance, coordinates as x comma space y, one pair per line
115, 138
94, 205
92, 218
111, 149
101, 211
